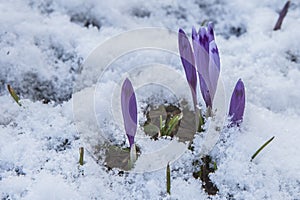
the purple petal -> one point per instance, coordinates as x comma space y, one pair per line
129, 110
201, 57
188, 62
203, 38
237, 103
214, 68
210, 32
205, 92
194, 34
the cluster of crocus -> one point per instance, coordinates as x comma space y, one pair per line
203, 60
129, 112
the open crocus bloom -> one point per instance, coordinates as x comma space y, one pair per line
237, 103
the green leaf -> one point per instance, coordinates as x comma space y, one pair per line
168, 179
261, 148
81, 153
215, 166
172, 124
203, 22
201, 123
160, 122
14, 95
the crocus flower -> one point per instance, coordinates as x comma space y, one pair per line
207, 61
129, 110
188, 62
237, 103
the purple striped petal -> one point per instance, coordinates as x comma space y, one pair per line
188, 62
237, 103
203, 38
202, 63
129, 110
194, 34
214, 68
210, 32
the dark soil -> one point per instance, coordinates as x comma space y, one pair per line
206, 168
185, 130
117, 157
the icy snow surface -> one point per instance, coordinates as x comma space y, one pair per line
43, 45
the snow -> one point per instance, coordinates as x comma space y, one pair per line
48, 52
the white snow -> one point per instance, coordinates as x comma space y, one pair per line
43, 45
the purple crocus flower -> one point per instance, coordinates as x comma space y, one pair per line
237, 103
207, 61
188, 62
129, 110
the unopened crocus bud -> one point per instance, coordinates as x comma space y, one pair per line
129, 110
237, 103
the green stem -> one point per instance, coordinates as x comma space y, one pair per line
160, 122
81, 153
209, 112
14, 95
132, 155
172, 123
215, 166
168, 179
197, 114
201, 123
261, 148
160, 133
167, 127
